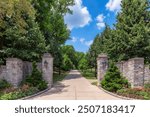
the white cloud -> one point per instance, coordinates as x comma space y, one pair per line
100, 25
80, 17
100, 18
88, 43
114, 5
100, 21
82, 40
74, 39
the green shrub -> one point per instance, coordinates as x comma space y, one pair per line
89, 74
35, 79
18, 94
42, 85
147, 85
113, 80
4, 84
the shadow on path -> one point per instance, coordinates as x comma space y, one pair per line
74, 87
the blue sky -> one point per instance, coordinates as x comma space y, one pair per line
88, 19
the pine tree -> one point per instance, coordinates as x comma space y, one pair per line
133, 30
113, 80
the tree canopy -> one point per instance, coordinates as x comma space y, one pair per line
20, 35
30, 28
130, 36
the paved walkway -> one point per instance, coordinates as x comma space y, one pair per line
75, 87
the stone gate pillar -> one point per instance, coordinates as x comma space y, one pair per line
14, 69
47, 68
102, 66
136, 72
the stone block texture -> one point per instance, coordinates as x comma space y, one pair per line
3, 72
14, 69
134, 70
17, 70
27, 68
138, 72
47, 68
146, 75
102, 66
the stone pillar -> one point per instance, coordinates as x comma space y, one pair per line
47, 68
14, 69
102, 66
136, 72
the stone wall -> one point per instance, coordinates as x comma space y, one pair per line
16, 70
27, 68
146, 75
2, 72
134, 70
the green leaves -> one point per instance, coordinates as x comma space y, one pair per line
131, 29
113, 80
130, 36
20, 34
50, 17
35, 79
68, 57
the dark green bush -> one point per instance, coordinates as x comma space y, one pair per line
4, 84
42, 85
113, 80
35, 79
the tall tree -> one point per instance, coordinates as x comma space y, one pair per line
83, 63
133, 29
131, 34
19, 33
70, 52
50, 17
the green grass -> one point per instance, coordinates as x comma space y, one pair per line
57, 77
94, 83
88, 74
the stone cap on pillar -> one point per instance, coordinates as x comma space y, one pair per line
102, 56
13, 59
47, 55
137, 58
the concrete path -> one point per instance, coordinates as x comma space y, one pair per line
75, 87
